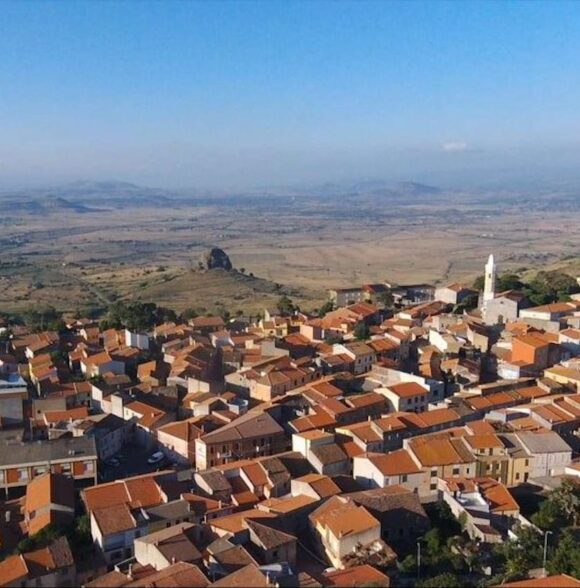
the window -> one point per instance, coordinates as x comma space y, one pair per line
22, 474
455, 471
404, 478
518, 476
432, 486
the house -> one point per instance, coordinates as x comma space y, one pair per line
398, 510
114, 529
454, 293
163, 548
316, 486
352, 577
536, 349
486, 506
340, 526
99, 364
13, 392
50, 500
345, 296
47, 567
178, 574
362, 354
556, 581
569, 340
177, 439
253, 434
550, 453
109, 432
21, 462
407, 396
439, 456
380, 470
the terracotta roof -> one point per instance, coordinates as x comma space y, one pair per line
343, 517
249, 575
235, 523
287, 504
395, 463
558, 581
438, 451
322, 485
138, 491
114, 519
177, 575
363, 575
408, 389
49, 488
248, 426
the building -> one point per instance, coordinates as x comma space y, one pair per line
398, 510
340, 527
486, 506
22, 462
381, 470
406, 397
254, 434
50, 500
454, 293
13, 392
550, 453
43, 568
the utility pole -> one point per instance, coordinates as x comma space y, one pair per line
418, 560
545, 551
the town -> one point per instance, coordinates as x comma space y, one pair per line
402, 435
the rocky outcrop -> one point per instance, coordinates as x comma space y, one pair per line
215, 258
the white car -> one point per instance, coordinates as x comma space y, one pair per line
156, 457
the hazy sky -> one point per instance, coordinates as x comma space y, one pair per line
250, 93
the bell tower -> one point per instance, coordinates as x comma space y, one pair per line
490, 275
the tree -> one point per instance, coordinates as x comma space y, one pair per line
285, 305
566, 558
567, 499
549, 515
188, 314
523, 554
386, 299
509, 282
326, 308
361, 331
446, 580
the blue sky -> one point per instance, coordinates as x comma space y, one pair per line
244, 93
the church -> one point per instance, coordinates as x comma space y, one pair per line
499, 308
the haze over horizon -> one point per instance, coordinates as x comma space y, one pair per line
251, 94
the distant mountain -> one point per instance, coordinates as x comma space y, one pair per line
45, 205
415, 189
108, 186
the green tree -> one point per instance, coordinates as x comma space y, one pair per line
361, 331
285, 305
566, 558
509, 282
386, 299
549, 515
521, 555
567, 498
188, 314
446, 580
326, 308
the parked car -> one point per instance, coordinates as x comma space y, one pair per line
157, 457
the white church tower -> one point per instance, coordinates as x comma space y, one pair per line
490, 275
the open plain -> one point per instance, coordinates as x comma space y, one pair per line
84, 247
